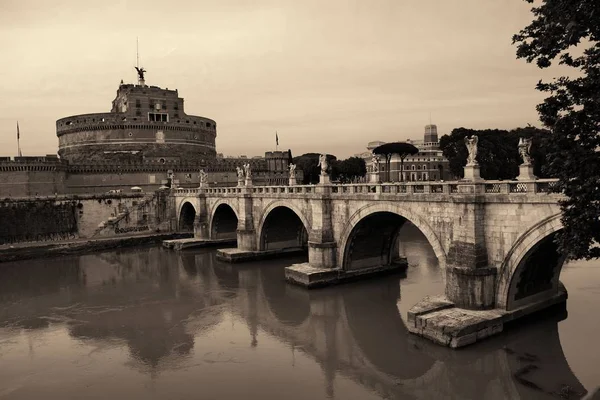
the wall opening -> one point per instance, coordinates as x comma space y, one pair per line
283, 229
186, 218
536, 276
373, 241
224, 223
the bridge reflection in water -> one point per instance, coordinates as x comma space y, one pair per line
173, 312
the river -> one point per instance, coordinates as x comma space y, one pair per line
149, 323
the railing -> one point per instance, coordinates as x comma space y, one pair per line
540, 186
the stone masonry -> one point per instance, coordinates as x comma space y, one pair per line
481, 232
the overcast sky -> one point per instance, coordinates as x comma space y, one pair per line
328, 76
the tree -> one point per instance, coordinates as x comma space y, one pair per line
308, 163
402, 149
498, 154
348, 170
571, 111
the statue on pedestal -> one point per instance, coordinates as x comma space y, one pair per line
240, 176
292, 180
203, 178
524, 150
323, 164
248, 173
471, 144
375, 162
247, 170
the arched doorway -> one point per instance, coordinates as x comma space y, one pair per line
186, 217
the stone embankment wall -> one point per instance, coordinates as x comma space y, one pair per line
59, 218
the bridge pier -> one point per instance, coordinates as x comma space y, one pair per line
469, 310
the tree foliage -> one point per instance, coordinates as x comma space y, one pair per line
568, 32
348, 170
344, 171
498, 154
308, 163
402, 149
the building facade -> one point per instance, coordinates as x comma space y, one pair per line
429, 164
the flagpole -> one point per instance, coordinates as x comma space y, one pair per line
18, 141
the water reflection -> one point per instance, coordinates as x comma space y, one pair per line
168, 308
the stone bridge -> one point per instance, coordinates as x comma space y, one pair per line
493, 238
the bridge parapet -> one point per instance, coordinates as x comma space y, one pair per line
539, 186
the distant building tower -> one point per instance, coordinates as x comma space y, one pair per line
431, 135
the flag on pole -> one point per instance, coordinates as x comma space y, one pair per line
18, 135
276, 139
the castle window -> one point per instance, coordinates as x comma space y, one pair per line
176, 106
158, 117
138, 103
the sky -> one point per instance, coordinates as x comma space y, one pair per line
327, 76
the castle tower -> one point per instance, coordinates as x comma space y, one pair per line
145, 124
431, 134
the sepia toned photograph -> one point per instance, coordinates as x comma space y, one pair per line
284, 199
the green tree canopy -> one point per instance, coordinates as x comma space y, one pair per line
498, 153
568, 31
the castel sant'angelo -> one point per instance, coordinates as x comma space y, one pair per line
146, 138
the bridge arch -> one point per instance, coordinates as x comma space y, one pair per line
286, 222
186, 216
523, 261
223, 220
381, 210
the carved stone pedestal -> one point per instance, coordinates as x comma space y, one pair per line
292, 181
373, 177
324, 180
526, 172
472, 173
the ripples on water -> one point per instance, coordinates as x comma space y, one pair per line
149, 323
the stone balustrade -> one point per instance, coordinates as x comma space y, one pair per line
433, 187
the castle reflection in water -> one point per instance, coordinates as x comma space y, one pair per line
165, 308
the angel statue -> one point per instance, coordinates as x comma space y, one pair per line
525, 150
292, 168
471, 144
323, 164
203, 176
141, 72
375, 162
247, 170
240, 173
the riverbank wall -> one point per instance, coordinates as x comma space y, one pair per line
51, 219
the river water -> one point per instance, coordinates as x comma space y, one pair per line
149, 323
